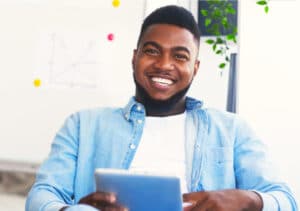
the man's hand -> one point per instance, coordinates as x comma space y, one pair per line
225, 200
103, 201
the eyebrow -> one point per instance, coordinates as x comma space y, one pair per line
177, 48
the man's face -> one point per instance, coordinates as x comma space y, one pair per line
165, 61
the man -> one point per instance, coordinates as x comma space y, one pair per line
222, 164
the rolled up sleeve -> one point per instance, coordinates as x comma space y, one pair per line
254, 171
54, 185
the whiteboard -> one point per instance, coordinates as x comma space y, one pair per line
64, 46
57, 58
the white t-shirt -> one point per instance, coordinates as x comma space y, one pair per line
162, 148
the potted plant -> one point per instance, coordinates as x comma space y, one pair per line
218, 19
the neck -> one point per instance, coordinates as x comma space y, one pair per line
177, 110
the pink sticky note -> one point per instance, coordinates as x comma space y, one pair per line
110, 37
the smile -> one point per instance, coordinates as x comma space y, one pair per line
162, 81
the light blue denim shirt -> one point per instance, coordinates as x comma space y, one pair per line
221, 152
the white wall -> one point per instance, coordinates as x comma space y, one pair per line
63, 43
269, 81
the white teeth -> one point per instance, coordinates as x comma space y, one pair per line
162, 80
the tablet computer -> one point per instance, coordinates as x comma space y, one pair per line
141, 191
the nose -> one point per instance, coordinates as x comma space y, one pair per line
164, 62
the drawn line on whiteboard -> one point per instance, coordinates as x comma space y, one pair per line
65, 70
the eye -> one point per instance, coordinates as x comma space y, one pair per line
181, 57
151, 51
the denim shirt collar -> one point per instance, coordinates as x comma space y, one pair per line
133, 107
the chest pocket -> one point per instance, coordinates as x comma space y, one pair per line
218, 168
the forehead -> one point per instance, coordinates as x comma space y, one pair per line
169, 36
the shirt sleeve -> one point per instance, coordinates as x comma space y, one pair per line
254, 171
54, 185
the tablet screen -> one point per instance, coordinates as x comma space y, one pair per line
141, 192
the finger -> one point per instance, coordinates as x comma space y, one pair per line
98, 197
104, 196
195, 197
198, 200
188, 208
204, 205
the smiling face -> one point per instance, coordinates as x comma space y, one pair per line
165, 62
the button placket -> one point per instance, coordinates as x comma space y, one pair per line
132, 146
139, 108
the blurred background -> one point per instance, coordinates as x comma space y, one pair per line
60, 56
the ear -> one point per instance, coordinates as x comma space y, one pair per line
133, 60
196, 67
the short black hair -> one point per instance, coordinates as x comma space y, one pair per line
174, 15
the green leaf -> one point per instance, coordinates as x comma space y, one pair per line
211, 3
210, 41
218, 52
222, 65
234, 30
229, 5
266, 9
207, 21
215, 29
219, 40
224, 21
214, 47
226, 25
217, 13
230, 10
227, 58
261, 2
234, 39
204, 12
230, 37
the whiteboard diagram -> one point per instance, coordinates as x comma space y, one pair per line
67, 60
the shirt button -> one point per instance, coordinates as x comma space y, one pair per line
139, 108
127, 116
132, 146
140, 121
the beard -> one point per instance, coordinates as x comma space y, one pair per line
159, 106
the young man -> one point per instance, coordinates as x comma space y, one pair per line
223, 165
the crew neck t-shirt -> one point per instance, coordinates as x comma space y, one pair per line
162, 148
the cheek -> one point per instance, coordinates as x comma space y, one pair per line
187, 73
141, 66
138, 72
